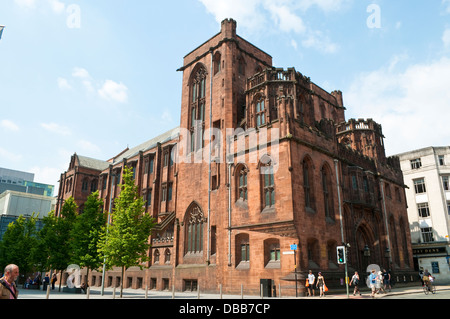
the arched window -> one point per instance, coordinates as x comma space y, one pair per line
267, 182
197, 107
194, 221
327, 192
167, 256
272, 255
94, 184
242, 250
217, 62
241, 183
156, 256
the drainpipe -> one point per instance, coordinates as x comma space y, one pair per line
229, 214
385, 219
209, 164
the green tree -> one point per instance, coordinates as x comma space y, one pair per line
125, 242
86, 234
55, 237
17, 243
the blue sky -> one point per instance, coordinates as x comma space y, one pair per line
93, 76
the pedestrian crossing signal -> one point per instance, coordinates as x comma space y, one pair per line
341, 255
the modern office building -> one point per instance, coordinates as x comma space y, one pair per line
427, 177
20, 195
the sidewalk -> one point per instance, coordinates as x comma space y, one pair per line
95, 293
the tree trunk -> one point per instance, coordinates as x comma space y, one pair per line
121, 281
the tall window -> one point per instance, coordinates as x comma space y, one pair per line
327, 195
260, 112
307, 184
242, 183
197, 108
194, 230
268, 183
445, 183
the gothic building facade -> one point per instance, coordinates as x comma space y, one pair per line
263, 159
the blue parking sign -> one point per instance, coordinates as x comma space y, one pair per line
294, 247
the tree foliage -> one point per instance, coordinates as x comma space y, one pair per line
86, 234
125, 242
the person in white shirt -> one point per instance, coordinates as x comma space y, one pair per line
311, 279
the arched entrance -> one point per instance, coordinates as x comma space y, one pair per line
366, 247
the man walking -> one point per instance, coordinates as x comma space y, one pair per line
8, 288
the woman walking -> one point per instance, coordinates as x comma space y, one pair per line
355, 281
321, 284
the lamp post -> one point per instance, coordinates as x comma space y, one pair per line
2, 27
366, 256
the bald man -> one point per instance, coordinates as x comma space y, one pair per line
8, 288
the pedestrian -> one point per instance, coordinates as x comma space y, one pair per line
321, 284
355, 281
53, 281
46, 282
311, 280
387, 280
380, 288
373, 282
8, 288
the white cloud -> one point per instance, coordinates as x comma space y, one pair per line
446, 4
88, 147
113, 91
285, 18
322, 43
256, 15
247, 13
29, 4
57, 6
82, 73
446, 38
56, 128
325, 5
48, 175
411, 105
63, 84
85, 78
9, 125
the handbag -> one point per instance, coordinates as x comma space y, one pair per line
325, 288
307, 283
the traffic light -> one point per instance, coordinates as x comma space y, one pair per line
341, 258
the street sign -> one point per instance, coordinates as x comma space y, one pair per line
294, 247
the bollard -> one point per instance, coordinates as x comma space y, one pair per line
198, 292
48, 292
279, 290
88, 292
114, 293
242, 291
173, 291
220, 289
262, 292
146, 292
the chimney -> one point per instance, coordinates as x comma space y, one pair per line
228, 28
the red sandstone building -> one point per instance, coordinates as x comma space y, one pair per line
316, 180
